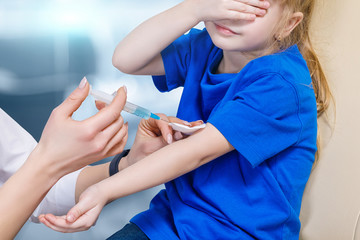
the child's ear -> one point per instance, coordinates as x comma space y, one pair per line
293, 21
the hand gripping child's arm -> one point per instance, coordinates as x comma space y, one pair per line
139, 52
162, 166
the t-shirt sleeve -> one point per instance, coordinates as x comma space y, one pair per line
176, 58
260, 120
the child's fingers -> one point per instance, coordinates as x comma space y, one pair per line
249, 9
256, 3
197, 123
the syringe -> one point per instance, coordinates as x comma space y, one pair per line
129, 107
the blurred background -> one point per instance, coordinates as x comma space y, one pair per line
46, 48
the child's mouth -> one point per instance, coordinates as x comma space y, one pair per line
224, 30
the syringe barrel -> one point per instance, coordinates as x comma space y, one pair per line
129, 107
136, 110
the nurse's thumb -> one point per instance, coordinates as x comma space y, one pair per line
78, 210
75, 99
74, 213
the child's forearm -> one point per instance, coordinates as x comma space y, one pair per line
89, 176
139, 52
167, 163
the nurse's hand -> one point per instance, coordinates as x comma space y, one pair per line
68, 145
86, 211
150, 137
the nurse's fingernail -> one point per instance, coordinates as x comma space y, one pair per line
70, 218
83, 83
169, 138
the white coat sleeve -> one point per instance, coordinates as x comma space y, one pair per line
15, 146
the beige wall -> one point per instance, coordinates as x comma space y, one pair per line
332, 197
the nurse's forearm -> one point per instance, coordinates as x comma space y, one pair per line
167, 163
89, 176
21, 194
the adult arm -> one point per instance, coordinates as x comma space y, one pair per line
65, 146
159, 167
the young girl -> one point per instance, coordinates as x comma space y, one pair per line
259, 86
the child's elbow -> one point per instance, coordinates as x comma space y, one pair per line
121, 64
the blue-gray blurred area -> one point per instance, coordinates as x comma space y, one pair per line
46, 48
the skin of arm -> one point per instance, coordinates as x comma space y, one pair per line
150, 137
135, 56
166, 164
139, 52
89, 176
66, 145
21, 194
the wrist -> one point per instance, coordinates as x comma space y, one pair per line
39, 163
191, 8
123, 163
118, 163
103, 192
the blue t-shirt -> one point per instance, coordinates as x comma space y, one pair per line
268, 113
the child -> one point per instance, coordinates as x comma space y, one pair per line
243, 175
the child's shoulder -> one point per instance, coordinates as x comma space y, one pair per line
288, 64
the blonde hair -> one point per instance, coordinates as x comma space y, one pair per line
301, 36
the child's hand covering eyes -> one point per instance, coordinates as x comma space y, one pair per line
214, 10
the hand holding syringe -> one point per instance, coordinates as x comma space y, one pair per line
129, 107
142, 112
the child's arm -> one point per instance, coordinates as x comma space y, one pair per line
139, 52
167, 163
162, 166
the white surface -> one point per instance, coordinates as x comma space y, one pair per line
186, 129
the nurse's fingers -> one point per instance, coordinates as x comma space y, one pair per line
118, 141
61, 225
99, 104
110, 113
164, 128
56, 223
74, 100
113, 135
111, 130
118, 148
